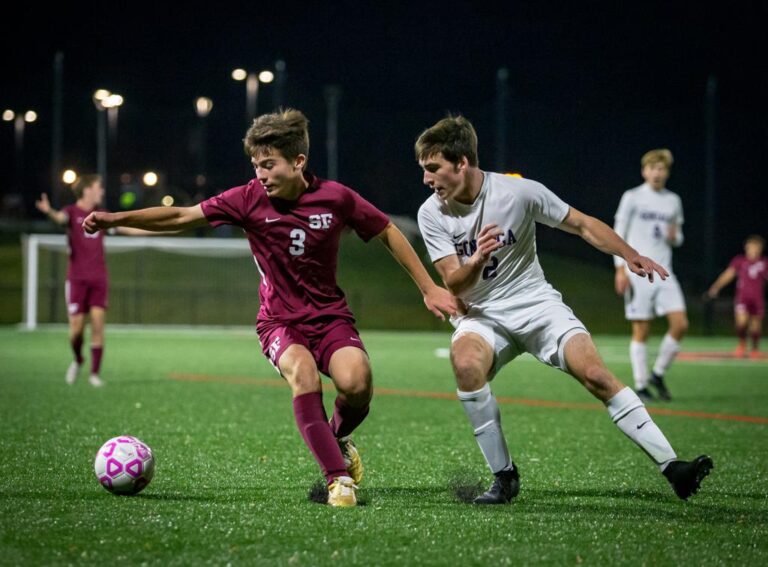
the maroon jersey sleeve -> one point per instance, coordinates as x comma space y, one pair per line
736, 262
230, 207
365, 219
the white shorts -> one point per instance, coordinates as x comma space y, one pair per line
643, 299
540, 326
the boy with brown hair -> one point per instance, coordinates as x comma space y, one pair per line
294, 222
480, 231
86, 288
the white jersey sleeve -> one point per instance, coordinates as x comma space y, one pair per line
544, 205
623, 220
436, 236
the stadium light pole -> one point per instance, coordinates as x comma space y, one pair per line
107, 105
203, 107
20, 120
252, 80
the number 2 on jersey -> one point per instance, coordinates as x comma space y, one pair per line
490, 270
298, 237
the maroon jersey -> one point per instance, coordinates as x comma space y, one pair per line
751, 276
295, 243
86, 251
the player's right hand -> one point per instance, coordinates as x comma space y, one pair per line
621, 282
487, 243
96, 221
43, 204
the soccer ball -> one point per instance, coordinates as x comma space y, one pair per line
124, 465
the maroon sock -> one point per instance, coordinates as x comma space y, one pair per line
346, 418
96, 354
755, 341
313, 425
741, 332
77, 348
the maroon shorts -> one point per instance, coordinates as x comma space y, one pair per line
754, 306
81, 295
321, 338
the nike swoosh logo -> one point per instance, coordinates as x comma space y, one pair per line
272, 220
355, 339
458, 236
642, 424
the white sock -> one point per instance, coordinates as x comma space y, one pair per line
483, 413
667, 353
638, 355
629, 414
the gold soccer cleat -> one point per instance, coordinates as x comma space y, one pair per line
351, 459
341, 492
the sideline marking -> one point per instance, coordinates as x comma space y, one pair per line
278, 383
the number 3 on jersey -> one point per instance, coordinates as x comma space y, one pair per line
298, 237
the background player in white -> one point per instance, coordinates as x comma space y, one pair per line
480, 231
650, 219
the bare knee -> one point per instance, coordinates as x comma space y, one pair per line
471, 367
678, 328
640, 331
356, 387
300, 371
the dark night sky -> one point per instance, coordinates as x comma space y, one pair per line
592, 86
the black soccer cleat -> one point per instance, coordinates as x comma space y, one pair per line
686, 476
504, 488
645, 395
661, 388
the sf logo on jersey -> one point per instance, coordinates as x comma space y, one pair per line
321, 221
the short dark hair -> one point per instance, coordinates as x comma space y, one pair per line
286, 131
756, 238
84, 181
453, 136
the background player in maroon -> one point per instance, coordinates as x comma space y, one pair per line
293, 221
87, 285
750, 270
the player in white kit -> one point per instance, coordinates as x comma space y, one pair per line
480, 231
650, 219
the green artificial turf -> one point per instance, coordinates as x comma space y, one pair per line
233, 475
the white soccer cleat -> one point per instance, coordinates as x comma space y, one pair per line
71, 376
95, 381
342, 492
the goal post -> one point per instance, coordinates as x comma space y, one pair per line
140, 267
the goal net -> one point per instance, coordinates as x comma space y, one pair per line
152, 280
162, 280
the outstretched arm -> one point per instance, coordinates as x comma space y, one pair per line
44, 206
437, 299
602, 237
722, 280
156, 219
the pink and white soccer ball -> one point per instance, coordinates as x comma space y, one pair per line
124, 465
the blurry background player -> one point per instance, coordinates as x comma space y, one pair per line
480, 231
750, 271
650, 219
87, 286
294, 221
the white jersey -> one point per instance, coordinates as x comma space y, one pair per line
643, 219
515, 205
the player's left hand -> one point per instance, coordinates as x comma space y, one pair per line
96, 221
645, 267
672, 233
439, 300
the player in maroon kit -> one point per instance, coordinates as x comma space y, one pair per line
293, 221
750, 271
86, 287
